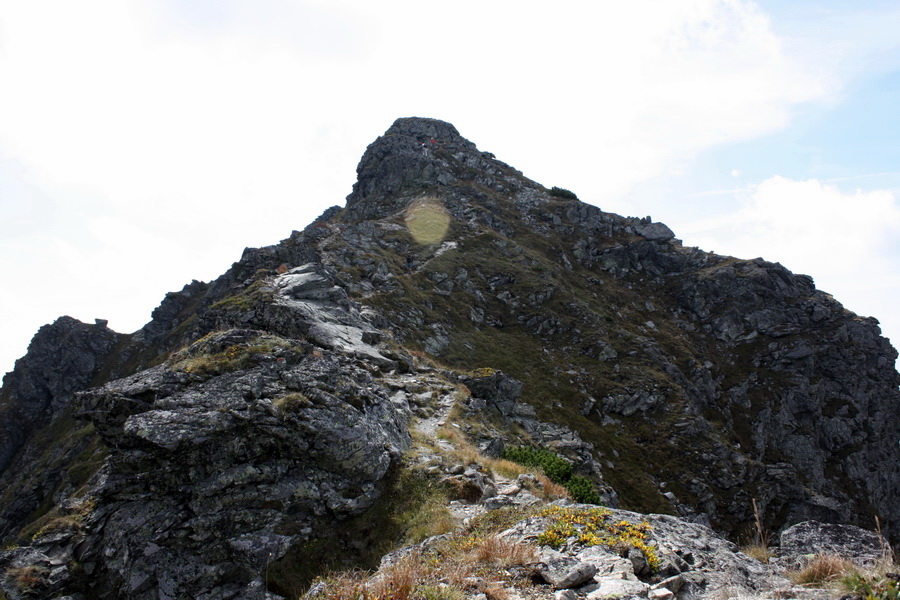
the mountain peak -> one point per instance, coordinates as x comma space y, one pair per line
414, 155
424, 129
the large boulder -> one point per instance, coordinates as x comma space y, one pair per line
804, 540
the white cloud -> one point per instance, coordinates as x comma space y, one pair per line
846, 240
155, 114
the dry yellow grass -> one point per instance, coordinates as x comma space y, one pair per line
503, 552
451, 571
758, 552
550, 490
823, 568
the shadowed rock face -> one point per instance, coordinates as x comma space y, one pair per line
263, 408
62, 359
214, 478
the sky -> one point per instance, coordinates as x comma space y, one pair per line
144, 144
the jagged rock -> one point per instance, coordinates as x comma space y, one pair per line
63, 358
673, 584
710, 565
565, 595
498, 390
325, 314
472, 485
658, 232
660, 594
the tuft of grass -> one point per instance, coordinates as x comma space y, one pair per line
258, 292
31, 580
398, 581
226, 351
290, 403
483, 372
502, 552
823, 569
759, 553
506, 468
550, 490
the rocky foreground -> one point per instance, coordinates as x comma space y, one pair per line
153, 525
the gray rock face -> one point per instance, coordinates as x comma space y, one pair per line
327, 313
405, 162
404, 158
563, 572
36, 470
657, 232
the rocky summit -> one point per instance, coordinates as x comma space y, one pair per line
470, 385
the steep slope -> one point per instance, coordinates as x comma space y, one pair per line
262, 415
703, 381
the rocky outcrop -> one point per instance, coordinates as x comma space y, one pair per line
582, 551
216, 473
691, 561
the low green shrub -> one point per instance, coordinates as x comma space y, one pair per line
562, 193
582, 490
555, 467
558, 469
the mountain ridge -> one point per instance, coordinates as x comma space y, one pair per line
684, 382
